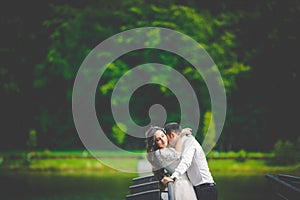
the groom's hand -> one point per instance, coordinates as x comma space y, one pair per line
186, 132
166, 180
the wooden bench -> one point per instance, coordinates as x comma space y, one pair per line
147, 188
285, 186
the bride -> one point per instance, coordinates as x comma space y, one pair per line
164, 158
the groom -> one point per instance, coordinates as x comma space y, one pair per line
193, 161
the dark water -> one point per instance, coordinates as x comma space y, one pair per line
40, 186
243, 187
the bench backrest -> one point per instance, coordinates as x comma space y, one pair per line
147, 188
143, 179
146, 195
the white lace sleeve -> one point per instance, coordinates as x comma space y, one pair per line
167, 157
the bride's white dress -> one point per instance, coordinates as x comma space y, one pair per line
169, 158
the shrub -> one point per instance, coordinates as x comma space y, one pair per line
212, 154
285, 153
242, 156
46, 153
32, 140
27, 160
231, 154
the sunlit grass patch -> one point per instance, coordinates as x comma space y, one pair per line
69, 165
249, 167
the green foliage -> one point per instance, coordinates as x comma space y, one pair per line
75, 32
242, 156
46, 153
259, 33
118, 133
213, 154
73, 162
231, 154
27, 159
85, 153
209, 133
32, 139
70, 164
250, 166
286, 153
242, 153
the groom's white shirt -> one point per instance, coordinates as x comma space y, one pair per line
193, 161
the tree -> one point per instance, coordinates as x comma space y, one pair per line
76, 31
209, 134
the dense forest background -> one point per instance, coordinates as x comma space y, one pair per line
254, 43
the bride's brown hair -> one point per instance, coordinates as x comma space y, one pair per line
151, 147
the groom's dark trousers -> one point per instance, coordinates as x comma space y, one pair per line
206, 191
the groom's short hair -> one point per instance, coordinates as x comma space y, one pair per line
172, 127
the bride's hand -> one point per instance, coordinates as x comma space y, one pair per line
166, 180
186, 132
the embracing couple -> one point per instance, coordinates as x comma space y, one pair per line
175, 155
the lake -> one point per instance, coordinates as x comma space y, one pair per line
52, 186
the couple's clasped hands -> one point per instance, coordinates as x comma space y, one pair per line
166, 180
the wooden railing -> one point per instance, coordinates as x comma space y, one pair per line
147, 188
285, 186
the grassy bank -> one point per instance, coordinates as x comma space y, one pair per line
250, 166
69, 154
79, 161
68, 165
84, 153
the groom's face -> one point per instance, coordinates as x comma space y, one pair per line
172, 138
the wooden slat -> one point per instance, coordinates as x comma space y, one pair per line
144, 187
147, 195
294, 180
147, 188
284, 189
143, 179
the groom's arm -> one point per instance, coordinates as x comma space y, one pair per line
188, 151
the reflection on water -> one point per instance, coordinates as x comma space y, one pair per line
243, 187
38, 186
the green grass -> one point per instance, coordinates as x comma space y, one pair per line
70, 165
70, 161
250, 167
74, 153
236, 154
78, 161
80, 153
